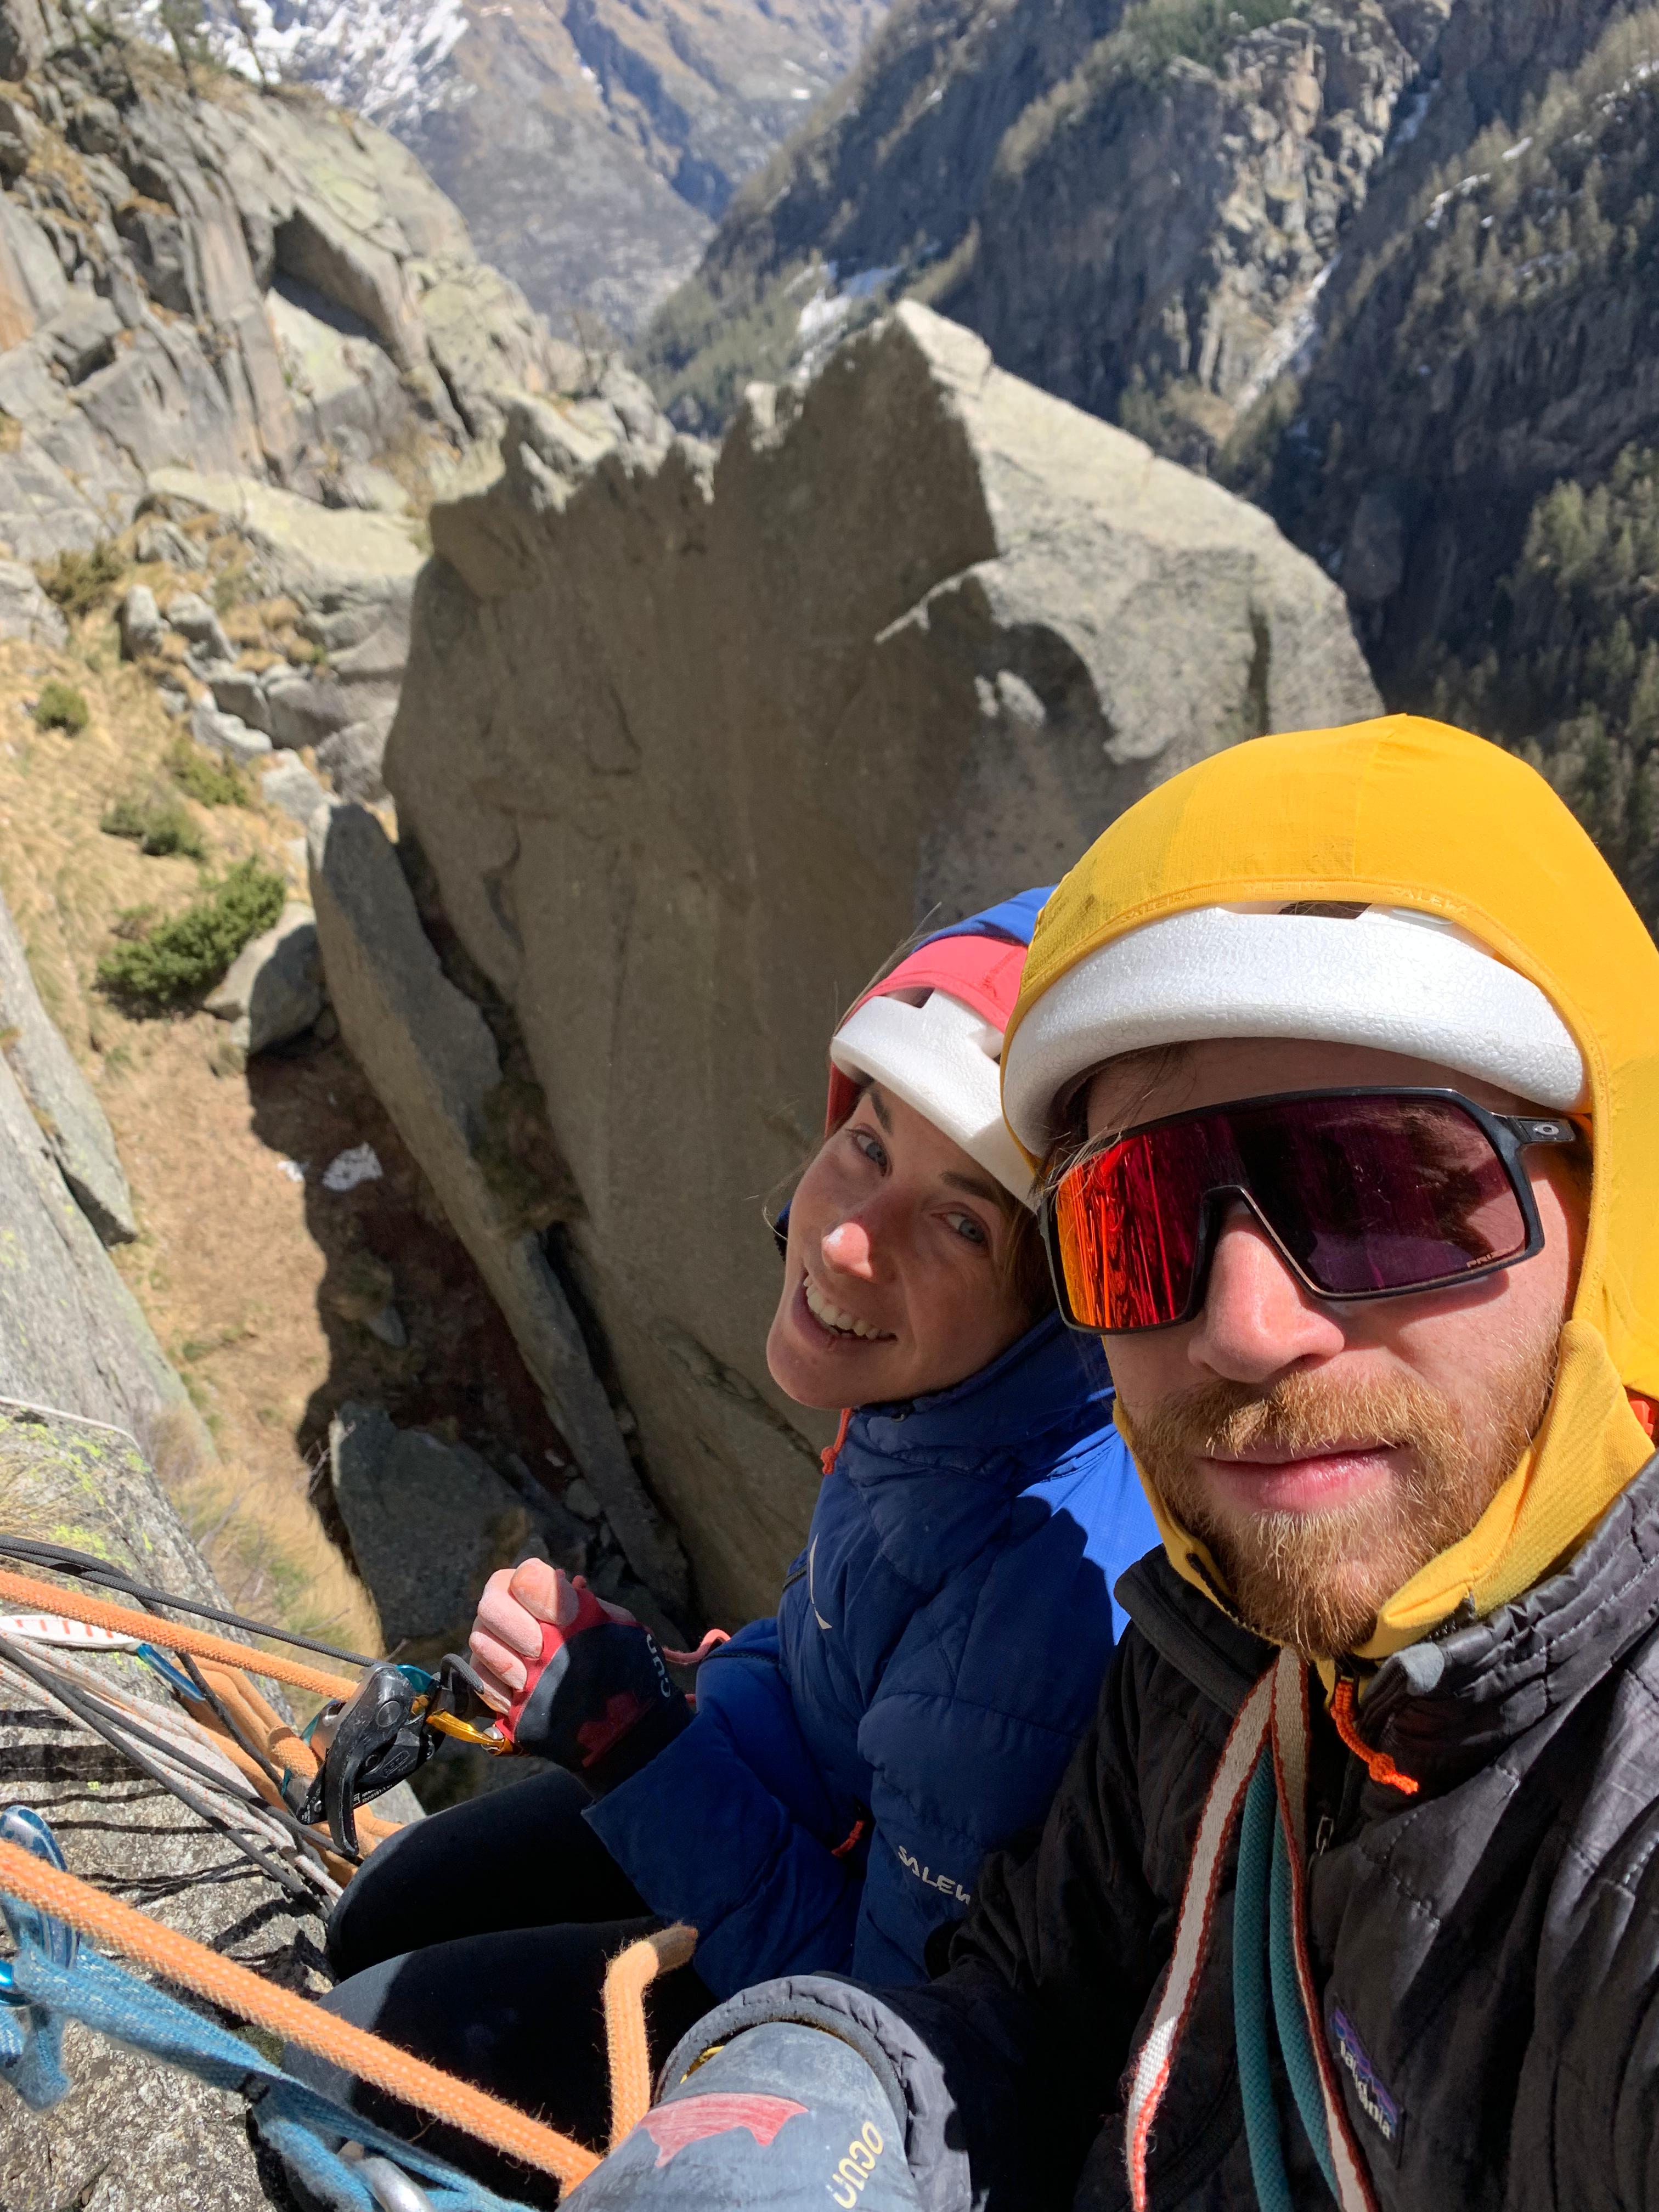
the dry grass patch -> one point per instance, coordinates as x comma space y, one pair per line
266, 1545
207, 1190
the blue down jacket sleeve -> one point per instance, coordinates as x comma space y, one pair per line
732, 1827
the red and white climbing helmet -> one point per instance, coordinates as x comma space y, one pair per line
931, 1032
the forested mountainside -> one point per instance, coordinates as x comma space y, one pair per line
589, 143
1123, 202
1473, 448
1388, 269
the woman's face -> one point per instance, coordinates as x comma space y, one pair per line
892, 1282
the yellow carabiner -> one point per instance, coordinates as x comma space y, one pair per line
469, 1732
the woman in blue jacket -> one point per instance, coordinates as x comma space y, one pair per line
938, 1648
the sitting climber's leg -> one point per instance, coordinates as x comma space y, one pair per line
518, 2014
522, 1857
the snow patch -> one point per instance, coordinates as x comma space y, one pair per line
1292, 345
1410, 119
382, 58
830, 306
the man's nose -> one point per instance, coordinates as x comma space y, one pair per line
1258, 1320
848, 1248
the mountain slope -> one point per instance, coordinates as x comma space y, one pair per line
1116, 199
1387, 266
589, 143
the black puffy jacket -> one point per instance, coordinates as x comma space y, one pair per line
1491, 1944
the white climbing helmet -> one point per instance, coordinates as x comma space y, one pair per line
931, 1033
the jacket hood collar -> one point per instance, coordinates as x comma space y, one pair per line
1444, 1706
1453, 1699
1042, 1381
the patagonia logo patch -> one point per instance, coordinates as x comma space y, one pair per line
1378, 2107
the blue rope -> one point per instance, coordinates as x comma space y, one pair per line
1257, 1830
1264, 1951
54, 1978
1294, 2040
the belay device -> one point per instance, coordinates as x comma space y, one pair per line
367, 1743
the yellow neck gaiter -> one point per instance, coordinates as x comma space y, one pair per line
1409, 813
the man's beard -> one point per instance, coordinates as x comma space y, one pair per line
1315, 1581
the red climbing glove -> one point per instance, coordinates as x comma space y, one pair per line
575, 1680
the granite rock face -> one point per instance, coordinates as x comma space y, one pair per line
589, 145
429, 1522
193, 281
912, 644
64, 1105
70, 1334
246, 315
273, 989
24, 610
430, 1054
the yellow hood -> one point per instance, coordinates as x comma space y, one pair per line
1410, 813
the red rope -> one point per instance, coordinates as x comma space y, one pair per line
1377, 1763
831, 1453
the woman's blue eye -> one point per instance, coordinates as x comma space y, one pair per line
967, 1228
871, 1146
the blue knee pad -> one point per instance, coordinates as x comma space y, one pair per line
785, 2117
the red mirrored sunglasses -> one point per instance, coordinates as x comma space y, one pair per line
1367, 1194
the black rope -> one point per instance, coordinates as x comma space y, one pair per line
280, 1813
61, 1560
54, 1686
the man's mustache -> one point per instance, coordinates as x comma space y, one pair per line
1296, 1416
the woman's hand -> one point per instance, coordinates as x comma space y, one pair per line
575, 1680
507, 1635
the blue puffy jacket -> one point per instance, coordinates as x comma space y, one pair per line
937, 1651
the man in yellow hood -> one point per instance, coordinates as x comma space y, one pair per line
1340, 1056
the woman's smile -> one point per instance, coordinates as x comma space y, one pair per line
893, 1283
834, 1319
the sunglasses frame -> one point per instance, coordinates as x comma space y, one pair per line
1509, 1135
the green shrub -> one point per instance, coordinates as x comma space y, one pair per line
61, 707
179, 959
702, 348
157, 823
1152, 35
210, 782
1159, 32
79, 580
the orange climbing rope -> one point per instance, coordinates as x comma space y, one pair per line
177, 1958
626, 1979
51, 1597
118, 1927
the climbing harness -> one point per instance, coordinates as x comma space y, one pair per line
1261, 1779
55, 1977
